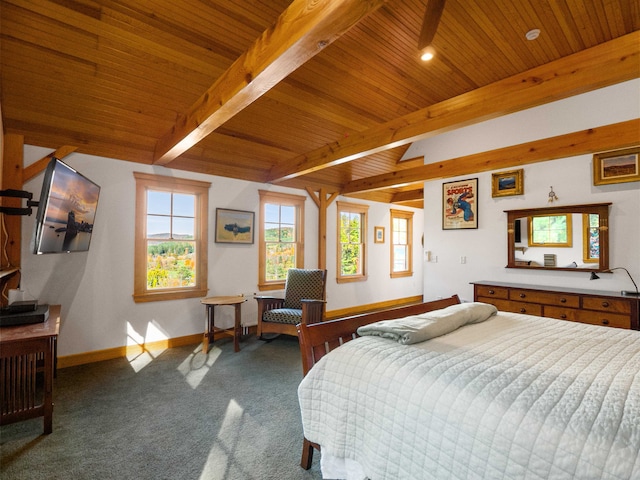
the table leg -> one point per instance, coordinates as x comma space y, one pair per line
237, 329
208, 335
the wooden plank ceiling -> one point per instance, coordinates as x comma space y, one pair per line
318, 94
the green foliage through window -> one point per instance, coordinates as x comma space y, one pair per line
280, 240
350, 243
551, 230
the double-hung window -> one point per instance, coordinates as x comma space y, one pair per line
352, 234
281, 237
550, 230
170, 238
401, 243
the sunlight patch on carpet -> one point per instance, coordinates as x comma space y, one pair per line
197, 364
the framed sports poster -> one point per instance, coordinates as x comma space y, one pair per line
459, 204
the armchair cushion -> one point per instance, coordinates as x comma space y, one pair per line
291, 316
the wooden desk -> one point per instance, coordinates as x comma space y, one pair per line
235, 332
27, 367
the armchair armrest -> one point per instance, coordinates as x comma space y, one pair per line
266, 303
312, 311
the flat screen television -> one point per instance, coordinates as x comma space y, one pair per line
66, 212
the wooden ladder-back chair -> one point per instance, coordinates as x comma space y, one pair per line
303, 302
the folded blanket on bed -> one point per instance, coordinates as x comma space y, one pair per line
418, 328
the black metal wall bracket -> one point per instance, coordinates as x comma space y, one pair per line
11, 193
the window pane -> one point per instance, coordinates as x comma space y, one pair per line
400, 238
280, 257
183, 228
271, 232
184, 205
170, 264
158, 203
288, 234
288, 214
272, 213
350, 256
158, 227
550, 229
594, 236
400, 258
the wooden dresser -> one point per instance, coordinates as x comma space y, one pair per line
586, 306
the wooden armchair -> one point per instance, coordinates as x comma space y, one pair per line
303, 302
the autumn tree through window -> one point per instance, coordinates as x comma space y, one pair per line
171, 238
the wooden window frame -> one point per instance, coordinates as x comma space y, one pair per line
145, 182
408, 216
567, 244
279, 198
362, 210
586, 236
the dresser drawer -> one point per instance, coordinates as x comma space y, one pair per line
605, 304
515, 307
546, 298
602, 318
492, 292
561, 313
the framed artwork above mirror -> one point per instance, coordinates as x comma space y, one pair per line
583, 229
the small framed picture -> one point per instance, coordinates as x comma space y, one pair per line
378, 234
459, 204
504, 184
619, 166
234, 226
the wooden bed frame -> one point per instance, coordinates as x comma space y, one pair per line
318, 339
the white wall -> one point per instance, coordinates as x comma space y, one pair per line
485, 248
95, 288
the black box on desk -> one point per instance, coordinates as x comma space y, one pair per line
38, 315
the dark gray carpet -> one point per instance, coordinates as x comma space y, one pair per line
177, 414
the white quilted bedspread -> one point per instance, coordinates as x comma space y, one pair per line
515, 397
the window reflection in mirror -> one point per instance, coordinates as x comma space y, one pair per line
591, 237
550, 230
559, 238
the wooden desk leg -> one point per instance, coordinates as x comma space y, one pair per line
48, 387
237, 329
208, 335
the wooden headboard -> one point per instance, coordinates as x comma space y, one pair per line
318, 339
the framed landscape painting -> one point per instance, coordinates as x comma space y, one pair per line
507, 183
619, 166
459, 204
234, 226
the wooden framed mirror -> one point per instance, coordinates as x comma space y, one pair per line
570, 237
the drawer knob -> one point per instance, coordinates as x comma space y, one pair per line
605, 322
522, 295
563, 300
491, 292
563, 316
523, 310
605, 304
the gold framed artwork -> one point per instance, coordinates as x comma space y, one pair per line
378, 234
504, 184
618, 166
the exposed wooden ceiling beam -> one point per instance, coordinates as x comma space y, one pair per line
609, 137
301, 32
409, 195
606, 64
430, 22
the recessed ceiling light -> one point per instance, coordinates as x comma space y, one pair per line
427, 53
533, 34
